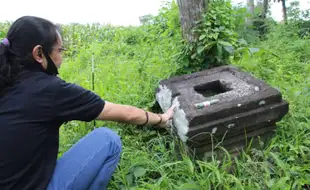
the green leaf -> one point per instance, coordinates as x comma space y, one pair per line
229, 49
216, 29
193, 56
129, 179
215, 36
219, 52
209, 45
200, 49
202, 37
190, 166
139, 171
224, 43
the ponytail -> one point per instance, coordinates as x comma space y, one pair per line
5, 65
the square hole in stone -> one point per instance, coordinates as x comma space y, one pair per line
211, 88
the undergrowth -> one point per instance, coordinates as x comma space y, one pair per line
129, 63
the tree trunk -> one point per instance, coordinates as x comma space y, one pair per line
265, 9
284, 11
191, 11
250, 12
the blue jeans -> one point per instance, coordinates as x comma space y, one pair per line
89, 164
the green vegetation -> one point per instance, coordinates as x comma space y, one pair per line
129, 63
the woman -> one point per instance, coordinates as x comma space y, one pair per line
34, 103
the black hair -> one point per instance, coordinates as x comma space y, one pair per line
23, 35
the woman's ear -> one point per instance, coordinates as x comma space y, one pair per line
38, 56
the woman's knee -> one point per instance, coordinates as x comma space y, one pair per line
109, 135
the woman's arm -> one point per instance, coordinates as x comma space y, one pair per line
73, 102
133, 115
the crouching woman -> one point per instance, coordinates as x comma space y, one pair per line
35, 102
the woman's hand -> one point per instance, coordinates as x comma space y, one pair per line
166, 117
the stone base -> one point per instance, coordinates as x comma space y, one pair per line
244, 106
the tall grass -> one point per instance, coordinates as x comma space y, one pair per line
129, 73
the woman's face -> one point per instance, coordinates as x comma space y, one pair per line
56, 54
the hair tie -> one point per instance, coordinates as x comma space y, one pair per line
5, 42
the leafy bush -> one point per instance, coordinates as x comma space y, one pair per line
216, 39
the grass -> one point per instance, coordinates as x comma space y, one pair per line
129, 73
129, 63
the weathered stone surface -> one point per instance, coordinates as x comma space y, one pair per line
246, 107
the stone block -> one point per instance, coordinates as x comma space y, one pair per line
244, 108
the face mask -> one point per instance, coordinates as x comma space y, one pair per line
51, 67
